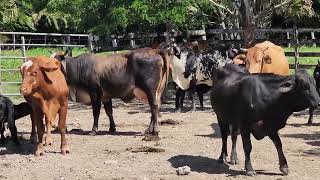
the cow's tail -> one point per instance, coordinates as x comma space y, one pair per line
165, 72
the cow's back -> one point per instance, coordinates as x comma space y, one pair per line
279, 63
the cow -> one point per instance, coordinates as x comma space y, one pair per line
45, 89
264, 57
201, 89
258, 104
192, 70
10, 112
142, 73
316, 76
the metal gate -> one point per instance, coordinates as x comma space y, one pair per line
14, 52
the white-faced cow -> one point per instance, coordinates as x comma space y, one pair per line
258, 104
192, 70
93, 79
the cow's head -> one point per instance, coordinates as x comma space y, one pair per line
193, 55
305, 90
61, 55
253, 59
34, 74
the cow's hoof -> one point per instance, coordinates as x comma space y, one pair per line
222, 160
234, 162
150, 137
177, 110
48, 142
39, 152
92, 133
284, 169
65, 150
251, 173
112, 129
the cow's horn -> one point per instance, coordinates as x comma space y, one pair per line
243, 50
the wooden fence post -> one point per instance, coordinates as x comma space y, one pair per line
296, 48
313, 38
132, 42
288, 38
23, 48
1, 90
90, 45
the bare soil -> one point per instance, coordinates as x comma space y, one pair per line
194, 141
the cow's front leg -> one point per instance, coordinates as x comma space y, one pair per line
62, 127
96, 105
247, 146
180, 94
33, 136
282, 159
40, 131
108, 108
234, 156
224, 128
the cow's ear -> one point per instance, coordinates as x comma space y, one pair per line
266, 58
50, 66
286, 86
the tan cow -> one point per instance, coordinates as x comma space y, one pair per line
264, 57
45, 89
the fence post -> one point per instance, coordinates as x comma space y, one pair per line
296, 48
90, 45
14, 41
288, 38
132, 42
23, 47
313, 38
1, 90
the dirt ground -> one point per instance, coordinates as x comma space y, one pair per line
194, 142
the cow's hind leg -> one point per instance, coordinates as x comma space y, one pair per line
282, 159
108, 108
311, 111
224, 128
62, 127
247, 146
96, 106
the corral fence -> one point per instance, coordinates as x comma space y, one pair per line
293, 38
26, 40
221, 39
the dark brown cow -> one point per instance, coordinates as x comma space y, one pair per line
45, 89
92, 78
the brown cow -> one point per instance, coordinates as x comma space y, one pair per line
45, 89
264, 57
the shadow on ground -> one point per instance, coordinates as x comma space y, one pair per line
207, 165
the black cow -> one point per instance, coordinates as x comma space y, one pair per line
316, 76
258, 104
9, 113
93, 79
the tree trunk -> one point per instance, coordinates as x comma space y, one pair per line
247, 23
